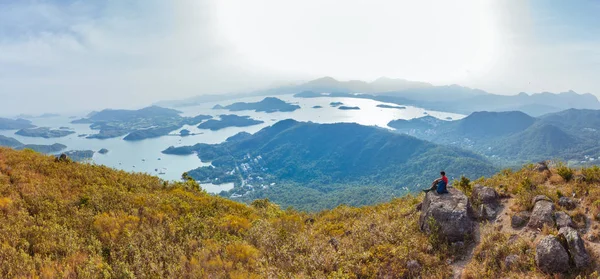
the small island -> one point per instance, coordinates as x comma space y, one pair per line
348, 108
390, 107
12, 124
184, 133
336, 104
317, 107
448, 118
103, 151
65, 128
307, 94
268, 105
218, 107
43, 132
229, 120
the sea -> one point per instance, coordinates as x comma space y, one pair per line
145, 156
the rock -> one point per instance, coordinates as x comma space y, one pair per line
551, 256
511, 260
414, 268
520, 219
579, 254
488, 200
540, 198
567, 203
563, 220
486, 195
419, 206
541, 166
450, 214
542, 214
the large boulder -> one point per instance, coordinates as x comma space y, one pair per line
563, 220
450, 215
542, 213
576, 247
488, 202
551, 256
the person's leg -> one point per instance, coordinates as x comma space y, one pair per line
433, 187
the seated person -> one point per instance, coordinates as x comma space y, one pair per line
439, 185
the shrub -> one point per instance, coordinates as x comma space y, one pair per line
564, 171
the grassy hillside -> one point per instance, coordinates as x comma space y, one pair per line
82, 221
71, 220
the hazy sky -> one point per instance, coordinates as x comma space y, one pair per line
65, 55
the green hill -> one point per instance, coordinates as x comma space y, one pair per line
327, 161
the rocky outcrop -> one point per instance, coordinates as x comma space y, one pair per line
541, 166
487, 201
448, 215
520, 219
542, 213
576, 248
563, 220
551, 256
567, 203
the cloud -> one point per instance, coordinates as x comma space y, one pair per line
83, 55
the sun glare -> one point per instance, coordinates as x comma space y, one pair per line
438, 41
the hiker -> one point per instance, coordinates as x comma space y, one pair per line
439, 185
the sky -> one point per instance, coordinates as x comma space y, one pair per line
74, 55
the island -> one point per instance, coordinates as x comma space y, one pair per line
80, 155
448, 118
184, 132
390, 107
229, 120
13, 143
348, 108
218, 107
41, 148
150, 133
139, 124
336, 104
103, 151
15, 124
65, 128
317, 107
268, 105
43, 132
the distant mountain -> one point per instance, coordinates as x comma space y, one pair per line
514, 136
14, 124
331, 158
268, 105
324, 84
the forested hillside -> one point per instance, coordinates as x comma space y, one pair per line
315, 166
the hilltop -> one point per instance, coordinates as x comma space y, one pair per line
61, 219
